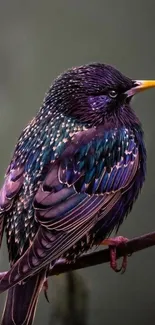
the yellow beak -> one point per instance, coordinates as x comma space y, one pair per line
140, 85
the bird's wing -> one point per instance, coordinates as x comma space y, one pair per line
91, 174
86, 177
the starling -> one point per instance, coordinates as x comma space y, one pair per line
76, 171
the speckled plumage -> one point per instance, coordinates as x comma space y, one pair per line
75, 173
20, 220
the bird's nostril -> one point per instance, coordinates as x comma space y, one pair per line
136, 83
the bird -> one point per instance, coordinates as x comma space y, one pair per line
76, 171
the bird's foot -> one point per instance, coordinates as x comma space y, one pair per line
113, 243
45, 286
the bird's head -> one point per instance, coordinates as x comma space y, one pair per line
94, 93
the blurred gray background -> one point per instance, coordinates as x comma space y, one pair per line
38, 40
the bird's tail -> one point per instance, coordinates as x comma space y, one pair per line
22, 300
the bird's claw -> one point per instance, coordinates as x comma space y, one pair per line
113, 261
113, 243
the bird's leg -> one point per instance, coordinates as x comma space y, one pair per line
45, 286
113, 243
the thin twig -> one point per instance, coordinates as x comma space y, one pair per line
103, 256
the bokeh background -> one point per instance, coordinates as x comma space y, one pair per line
38, 40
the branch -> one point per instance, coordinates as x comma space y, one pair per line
103, 256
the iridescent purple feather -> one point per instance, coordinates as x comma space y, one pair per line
76, 171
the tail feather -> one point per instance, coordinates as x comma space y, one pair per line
22, 300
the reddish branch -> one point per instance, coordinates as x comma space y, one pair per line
103, 256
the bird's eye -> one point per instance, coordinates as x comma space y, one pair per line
112, 93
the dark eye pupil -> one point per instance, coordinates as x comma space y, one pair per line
112, 93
